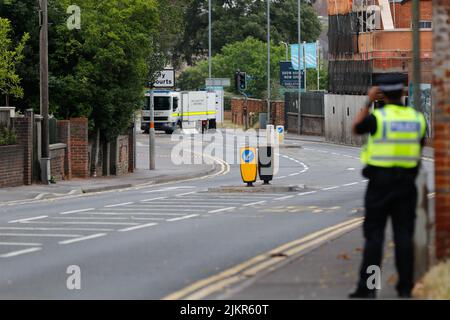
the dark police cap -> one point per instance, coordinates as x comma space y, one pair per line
391, 82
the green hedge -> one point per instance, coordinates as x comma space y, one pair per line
7, 136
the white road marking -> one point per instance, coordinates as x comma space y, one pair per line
283, 198
221, 210
281, 177
183, 218
118, 205
330, 188
89, 223
141, 226
142, 213
28, 219
54, 229
153, 199
25, 244
77, 211
294, 174
350, 184
185, 194
98, 235
45, 235
254, 203
306, 193
161, 205
19, 252
168, 189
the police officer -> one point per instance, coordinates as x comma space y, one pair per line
392, 158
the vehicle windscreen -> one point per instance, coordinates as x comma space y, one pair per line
162, 103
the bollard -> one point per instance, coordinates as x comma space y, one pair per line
422, 227
266, 164
249, 165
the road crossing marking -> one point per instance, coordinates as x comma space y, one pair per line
28, 219
153, 199
183, 218
45, 235
25, 244
306, 193
283, 198
350, 184
185, 194
19, 252
254, 203
143, 213
141, 226
118, 205
222, 210
330, 188
98, 235
77, 211
54, 229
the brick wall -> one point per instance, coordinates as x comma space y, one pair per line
63, 127
23, 127
256, 106
79, 148
441, 98
403, 13
11, 166
57, 157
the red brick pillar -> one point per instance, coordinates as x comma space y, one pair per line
64, 137
79, 147
441, 94
24, 131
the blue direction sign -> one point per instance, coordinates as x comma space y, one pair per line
289, 76
248, 156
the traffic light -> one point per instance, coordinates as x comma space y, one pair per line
240, 79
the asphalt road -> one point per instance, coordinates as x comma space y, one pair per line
146, 243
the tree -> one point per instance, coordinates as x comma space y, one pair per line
234, 21
248, 56
9, 58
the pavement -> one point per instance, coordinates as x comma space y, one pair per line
328, 272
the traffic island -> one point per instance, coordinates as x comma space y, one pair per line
259, 188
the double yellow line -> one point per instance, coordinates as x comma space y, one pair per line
206, 287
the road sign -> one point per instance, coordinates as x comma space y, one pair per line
280, 134
217, 82
249, 165
289, 76
166, 79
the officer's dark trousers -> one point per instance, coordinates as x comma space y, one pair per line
391, 193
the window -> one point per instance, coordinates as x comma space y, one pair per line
175, 104
425, 24
162, 103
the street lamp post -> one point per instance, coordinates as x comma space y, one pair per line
268, 63
299, 115
209, 39
287, 49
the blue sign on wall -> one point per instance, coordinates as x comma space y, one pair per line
248, 156
289, 76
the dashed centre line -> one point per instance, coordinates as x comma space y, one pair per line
77, 211
28, 219
254, 203
19, 252
118, 205
98, 235
183, 218
141, 226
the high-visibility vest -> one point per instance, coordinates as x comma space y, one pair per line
397, 141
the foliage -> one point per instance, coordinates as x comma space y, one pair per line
98, 71
7, 136
234, 21
311, 78
251, 53
9, 59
